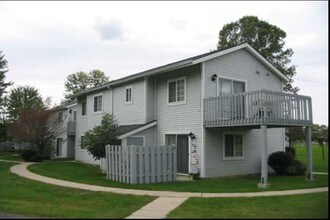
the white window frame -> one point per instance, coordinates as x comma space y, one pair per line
143, 137
231, 79
185, 91
97, 95
131, 101
224, 147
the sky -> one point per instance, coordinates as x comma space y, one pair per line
44, 42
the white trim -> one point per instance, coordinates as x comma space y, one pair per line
137, 130
203, 174
102, 104
251, 50
126, 88
185, 91
72, 105
138, 136
224, 147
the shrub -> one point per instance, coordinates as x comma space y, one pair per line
291, 150
33, 156
280, 161
296, 168
28, 155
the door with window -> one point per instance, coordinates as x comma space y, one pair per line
232, 107
182, 143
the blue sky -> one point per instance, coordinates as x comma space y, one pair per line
43, 42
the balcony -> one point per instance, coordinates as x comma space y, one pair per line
71, 128
274, 109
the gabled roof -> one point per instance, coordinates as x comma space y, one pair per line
124, 131
188, 62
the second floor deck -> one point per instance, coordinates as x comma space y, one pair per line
276, 109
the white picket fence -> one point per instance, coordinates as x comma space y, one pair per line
141, 164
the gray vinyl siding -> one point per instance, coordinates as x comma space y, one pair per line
89, 121
242, 66
149, 136
183, 118
250, 164
134, 113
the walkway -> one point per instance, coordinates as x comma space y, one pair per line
161, 206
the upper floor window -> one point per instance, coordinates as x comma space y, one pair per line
177, 91
129, 95
97, 103
233, 146
83, 108
60, 117
229, 86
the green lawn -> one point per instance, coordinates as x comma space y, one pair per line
319, 165
91, 174
6, 155
30, 198
303, 206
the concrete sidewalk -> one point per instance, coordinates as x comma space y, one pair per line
161, 206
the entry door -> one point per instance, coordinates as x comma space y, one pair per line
182, 153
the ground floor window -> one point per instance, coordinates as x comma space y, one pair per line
233, 145
59, 143
137, 141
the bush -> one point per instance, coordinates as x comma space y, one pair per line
28, 155
291, 150
280, 161
33, 156
296, 168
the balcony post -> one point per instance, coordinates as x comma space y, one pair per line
309, 153
264, 155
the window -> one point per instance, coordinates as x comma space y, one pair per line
59, 143
137, 141
82, 141
176, 91
233, 145
170, 139
129, 94
83, 108
60, 117
228, 86
98, 103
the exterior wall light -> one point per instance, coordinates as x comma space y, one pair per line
214, 77
192, 136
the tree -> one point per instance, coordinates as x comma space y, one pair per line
3, 84
295, 134
96, 139
21, 99
320, 135
81, 81
266, 38
38, 127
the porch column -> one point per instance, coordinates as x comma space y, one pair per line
264, 156
309, 153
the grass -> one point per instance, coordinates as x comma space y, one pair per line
13, 156
30, 198
91, 174
303, 206
319, 165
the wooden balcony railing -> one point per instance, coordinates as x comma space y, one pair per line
256, 108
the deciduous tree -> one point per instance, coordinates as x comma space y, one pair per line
81, 81
267, 39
